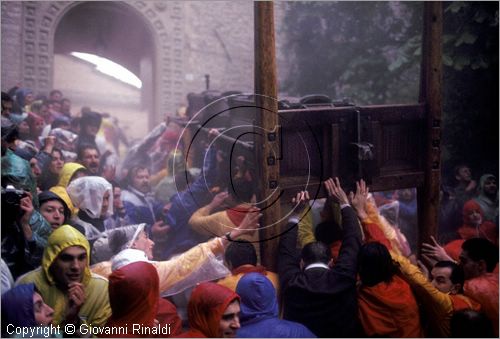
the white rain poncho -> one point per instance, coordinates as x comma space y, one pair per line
87, 194
107, 244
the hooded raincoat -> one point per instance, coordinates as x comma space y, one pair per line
87, 195
489, 207
69, 169
133, 296
205, 309
17, 307
18, 311
96, 309
486, 229
259, 311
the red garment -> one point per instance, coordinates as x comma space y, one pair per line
167, 314
454, 248
461, 302
205, 309
133, 296
238, 213
486, 230
484, 289
191, 334
374, 233
335, 249
389, 310
244, 269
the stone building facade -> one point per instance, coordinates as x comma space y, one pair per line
171, 45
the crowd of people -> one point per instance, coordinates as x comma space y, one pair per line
134, 242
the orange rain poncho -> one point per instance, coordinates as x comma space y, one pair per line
205, 309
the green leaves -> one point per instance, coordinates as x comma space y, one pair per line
466, 37
455, 7
363, 50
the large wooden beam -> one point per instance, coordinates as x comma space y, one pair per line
431, 95
266, 85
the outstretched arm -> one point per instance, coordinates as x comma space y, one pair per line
200, 263
352, 234
288, 254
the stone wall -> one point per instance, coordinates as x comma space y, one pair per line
192, 38
11, 43
219, 42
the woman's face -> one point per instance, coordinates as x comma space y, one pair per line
23, 127
145, 244
56, 163
474, 217
38, 126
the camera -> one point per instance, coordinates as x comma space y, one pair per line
11, 198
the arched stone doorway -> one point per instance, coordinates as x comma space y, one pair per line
117, 33
162, 20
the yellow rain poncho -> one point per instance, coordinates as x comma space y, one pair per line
95, 310
67, 172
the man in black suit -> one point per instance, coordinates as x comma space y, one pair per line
322, 297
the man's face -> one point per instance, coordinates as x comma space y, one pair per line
464, 174
145, 244
35, 168
471, 268
39, 125
490, 186
230, 321
117, 198
91, 160
28, 99
69, 266
56, 96
44, 314
441, 279
105, 204
56, 106
45, 112
23, 127
66, 105
91, 130
53, 212
6, 107
141, 181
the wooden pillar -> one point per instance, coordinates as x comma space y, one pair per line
431, 94
266, 85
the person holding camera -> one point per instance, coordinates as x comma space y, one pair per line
24, 230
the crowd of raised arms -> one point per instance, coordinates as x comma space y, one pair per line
109, 238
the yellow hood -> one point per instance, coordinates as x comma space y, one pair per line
61, 192
67, 172
60, 239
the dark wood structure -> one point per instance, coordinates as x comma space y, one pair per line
393, 146
390, 146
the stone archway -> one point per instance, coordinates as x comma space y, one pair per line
164, 21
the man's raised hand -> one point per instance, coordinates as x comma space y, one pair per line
359, 199
335, 191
